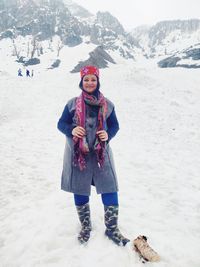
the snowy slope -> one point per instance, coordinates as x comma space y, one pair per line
69, 56
156, 153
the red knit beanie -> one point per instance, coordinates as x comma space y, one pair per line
89, 70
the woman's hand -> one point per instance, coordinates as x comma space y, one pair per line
78, 132
102, 135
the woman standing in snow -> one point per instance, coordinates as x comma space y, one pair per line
89, 123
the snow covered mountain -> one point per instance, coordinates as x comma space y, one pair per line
73, 24
29, 25
175, 42
168, 37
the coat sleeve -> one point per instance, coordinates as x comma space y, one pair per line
65, 123
112, 124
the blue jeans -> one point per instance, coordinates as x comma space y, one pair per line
108, 199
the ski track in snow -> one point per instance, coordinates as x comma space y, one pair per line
157, 158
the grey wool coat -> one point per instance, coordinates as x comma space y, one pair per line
73, 179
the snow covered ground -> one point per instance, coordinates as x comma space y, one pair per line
157, 157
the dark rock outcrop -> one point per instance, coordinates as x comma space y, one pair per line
32, 61
99, 58
55, 64
169, 62
192, 54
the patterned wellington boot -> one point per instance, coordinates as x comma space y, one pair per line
84, 217
111, 222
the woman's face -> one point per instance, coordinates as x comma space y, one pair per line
89, 83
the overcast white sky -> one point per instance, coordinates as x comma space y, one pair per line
134, 13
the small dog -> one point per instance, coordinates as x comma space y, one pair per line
141, 246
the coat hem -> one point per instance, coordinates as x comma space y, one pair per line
76, 192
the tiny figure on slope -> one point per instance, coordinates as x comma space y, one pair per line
27, 73
20, 72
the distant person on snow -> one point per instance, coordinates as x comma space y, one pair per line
20, 72
32, 73
27, 73
89, 123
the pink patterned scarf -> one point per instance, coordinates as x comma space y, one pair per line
81, 148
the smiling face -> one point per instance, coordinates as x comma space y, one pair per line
90, 83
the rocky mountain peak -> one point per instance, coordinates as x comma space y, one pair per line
110, 22
77, 10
